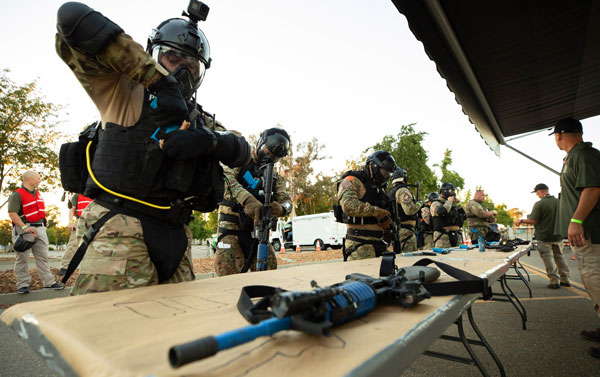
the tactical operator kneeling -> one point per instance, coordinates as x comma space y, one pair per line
363, 207
405, 209
144, 191
241, 208
447, 218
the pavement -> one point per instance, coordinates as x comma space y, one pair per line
551, 345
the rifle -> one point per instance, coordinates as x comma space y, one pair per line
261, 231
313, 312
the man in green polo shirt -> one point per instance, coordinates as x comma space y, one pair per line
579, 209
549, 245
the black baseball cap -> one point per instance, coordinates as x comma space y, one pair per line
567, 125
539, 186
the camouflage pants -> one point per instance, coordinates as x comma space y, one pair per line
117, 258
551, 254
230, 259
361, 250
428, 241
443, 240
480, 230
408, 240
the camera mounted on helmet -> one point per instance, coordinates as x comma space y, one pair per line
399, 176
382, 164
182, 48
273, 144
447, 190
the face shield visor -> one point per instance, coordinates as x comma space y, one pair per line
187, 70
275, 147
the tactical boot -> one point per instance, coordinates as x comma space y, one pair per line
56, 286
565, 284
553, 286
595, 352
591, 335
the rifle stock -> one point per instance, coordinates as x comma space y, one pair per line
264, 224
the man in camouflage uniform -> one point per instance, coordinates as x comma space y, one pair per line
478, 217
363, 207
404, 210
240, 210
144, 240
426, 227
446, 218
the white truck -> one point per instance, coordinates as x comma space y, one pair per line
310, 230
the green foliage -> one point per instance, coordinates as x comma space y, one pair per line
504, 216
5, 232
58, 235
450, 175
27, 136
213, 221
52, 215
199, 227
318, 197
407, 149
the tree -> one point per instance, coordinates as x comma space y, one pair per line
5, 232
199, 227
503, 216
52, 215
297, 170
450, 175
407, 149
27, 136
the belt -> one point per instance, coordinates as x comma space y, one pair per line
364, 232
36, 225
406, 226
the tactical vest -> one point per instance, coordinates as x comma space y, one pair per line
374, 195
129, 161
250, 177
449, 219
399, 211
34, 209
82, 203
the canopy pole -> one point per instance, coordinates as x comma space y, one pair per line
532, 159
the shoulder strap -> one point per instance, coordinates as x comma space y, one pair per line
87, 239
467, 283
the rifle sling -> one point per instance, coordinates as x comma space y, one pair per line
467, 283
256, 312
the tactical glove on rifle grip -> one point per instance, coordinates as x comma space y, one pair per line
252, 208
170, 107
384, 218
276, 209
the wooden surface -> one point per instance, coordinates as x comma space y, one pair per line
128, 333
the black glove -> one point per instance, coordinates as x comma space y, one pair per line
169, 107
233, 151
186, 144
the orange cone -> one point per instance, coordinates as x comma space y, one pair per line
318, 246
298, 248
573, 257
282, 250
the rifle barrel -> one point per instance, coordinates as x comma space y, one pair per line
202, 348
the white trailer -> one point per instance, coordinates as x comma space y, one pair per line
318, 228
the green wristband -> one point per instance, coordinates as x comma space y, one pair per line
25, 227
576, 221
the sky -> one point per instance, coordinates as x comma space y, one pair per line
347, 72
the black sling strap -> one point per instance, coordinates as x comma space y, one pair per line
467, 283
85, 242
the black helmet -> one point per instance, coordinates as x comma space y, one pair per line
276, 141
381, 160
399, 175
182, 48
433, 196
24, 242
447, 190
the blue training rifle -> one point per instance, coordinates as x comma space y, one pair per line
314, 312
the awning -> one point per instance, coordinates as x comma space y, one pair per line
515, 66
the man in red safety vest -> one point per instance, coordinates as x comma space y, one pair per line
27, 212
77, 204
